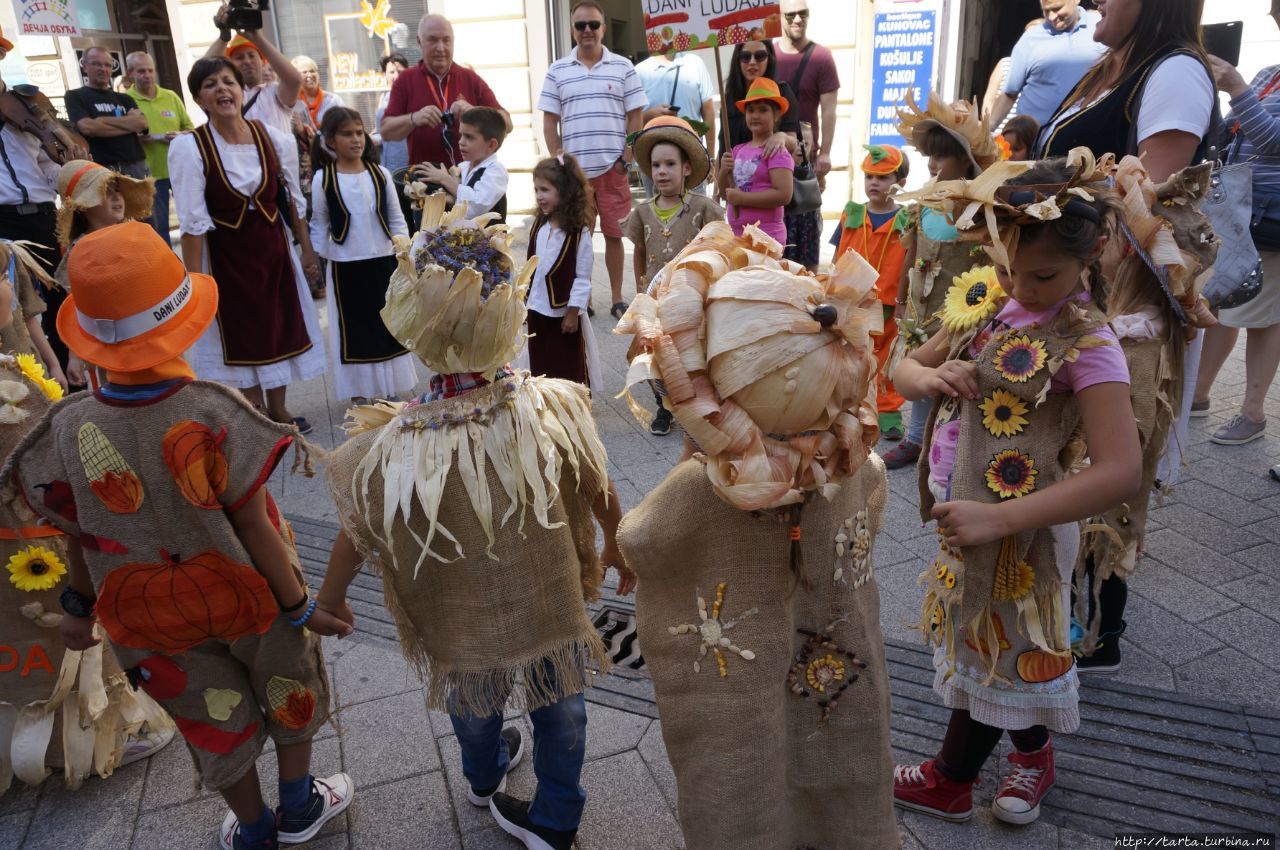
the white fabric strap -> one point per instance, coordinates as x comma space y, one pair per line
118, 330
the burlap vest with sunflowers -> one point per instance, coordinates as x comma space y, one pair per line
1017, 439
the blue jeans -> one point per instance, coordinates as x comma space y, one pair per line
559, 748
160, 209
919, 415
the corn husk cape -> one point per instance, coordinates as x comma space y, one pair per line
767, 367
81, 699
1164, 229
478, 506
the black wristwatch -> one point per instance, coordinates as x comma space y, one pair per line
76, 603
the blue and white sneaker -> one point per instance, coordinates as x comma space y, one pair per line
329, 798
515, 751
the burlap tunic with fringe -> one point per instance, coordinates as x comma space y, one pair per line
756, 768
41, 682
928, 279
484, 614
997, 613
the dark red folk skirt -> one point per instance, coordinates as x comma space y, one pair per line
556, 354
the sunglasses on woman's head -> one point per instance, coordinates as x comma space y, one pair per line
753, 56
582, 25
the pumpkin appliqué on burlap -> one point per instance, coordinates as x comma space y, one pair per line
712, 630
111, 478
292, 703
823, 669
193, 454
175, 605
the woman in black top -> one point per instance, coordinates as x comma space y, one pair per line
752, 60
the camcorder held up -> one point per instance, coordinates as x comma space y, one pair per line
246, 15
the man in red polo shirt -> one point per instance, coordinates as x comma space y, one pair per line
422, 96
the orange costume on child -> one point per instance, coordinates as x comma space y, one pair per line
881, 247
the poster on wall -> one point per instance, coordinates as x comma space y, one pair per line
679, 25
355, 43
47, 17
903, 46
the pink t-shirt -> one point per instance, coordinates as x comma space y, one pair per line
751, 174
1100, 365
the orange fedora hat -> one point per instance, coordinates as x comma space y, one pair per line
132, 304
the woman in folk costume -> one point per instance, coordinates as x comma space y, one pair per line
757, 608
1154, 274
478, 498
235, 189
48, 692
959, 145
1025, 366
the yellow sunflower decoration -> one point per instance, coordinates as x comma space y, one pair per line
31, 367
35, 568
1011, 474
1019, 358
974, 297
1003, 413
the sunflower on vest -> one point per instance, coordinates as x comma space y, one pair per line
1023, 370
1155, 274
755, 557
478, 499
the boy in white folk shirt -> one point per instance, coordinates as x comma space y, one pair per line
481, 181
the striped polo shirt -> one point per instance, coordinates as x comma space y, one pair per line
1259, 121
592, 104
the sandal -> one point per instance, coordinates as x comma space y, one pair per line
617, 310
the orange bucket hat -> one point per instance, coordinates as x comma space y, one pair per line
132, 305
763, 88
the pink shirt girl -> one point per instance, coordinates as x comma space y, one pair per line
751, 174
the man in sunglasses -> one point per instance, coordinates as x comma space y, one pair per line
811, 70
591, 100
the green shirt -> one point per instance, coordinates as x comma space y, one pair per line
165, 113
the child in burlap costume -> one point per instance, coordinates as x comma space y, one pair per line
174, 547
959, 145
1016, 391
49, 693
1154, 283
478, 499
24, 333
757, 608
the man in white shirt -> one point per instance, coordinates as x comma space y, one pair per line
591, 100
251, 52
482, 180
679, 85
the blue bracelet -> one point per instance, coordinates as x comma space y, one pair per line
302, 621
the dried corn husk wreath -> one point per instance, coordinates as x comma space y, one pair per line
767, 367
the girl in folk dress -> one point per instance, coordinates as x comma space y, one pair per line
1018, 380
235, 189
354, 218
561, 345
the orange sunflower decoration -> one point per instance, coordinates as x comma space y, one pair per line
1011, 474
1002, 144
1018, 359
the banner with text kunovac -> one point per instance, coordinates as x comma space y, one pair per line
902, 61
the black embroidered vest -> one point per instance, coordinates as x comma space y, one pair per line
560, 278
500, 207
339, 215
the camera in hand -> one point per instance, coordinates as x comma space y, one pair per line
246, 14
447, 118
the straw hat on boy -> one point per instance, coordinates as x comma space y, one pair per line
676, 131
83, 185
132, 305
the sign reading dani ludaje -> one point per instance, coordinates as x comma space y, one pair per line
678, 25
902, 61
47, 17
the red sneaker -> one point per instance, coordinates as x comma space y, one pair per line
1023, 789
922, 788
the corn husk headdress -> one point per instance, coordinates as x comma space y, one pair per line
19, 255
767, 366
467, 318
452, 300
961, 119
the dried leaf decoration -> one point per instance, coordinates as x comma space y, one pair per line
111, 478
194, 456
292, 703
12, 394
175, 605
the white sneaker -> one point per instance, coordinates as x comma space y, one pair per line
515, 752
139, 747
329, 798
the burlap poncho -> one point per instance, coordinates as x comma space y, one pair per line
479, 510
81, 699
774, 699
928, 279
997, 611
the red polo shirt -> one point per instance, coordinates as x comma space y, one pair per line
419, 87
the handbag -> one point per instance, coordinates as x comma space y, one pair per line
806, 195
1237, 273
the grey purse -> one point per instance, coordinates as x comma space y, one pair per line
1237, 274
